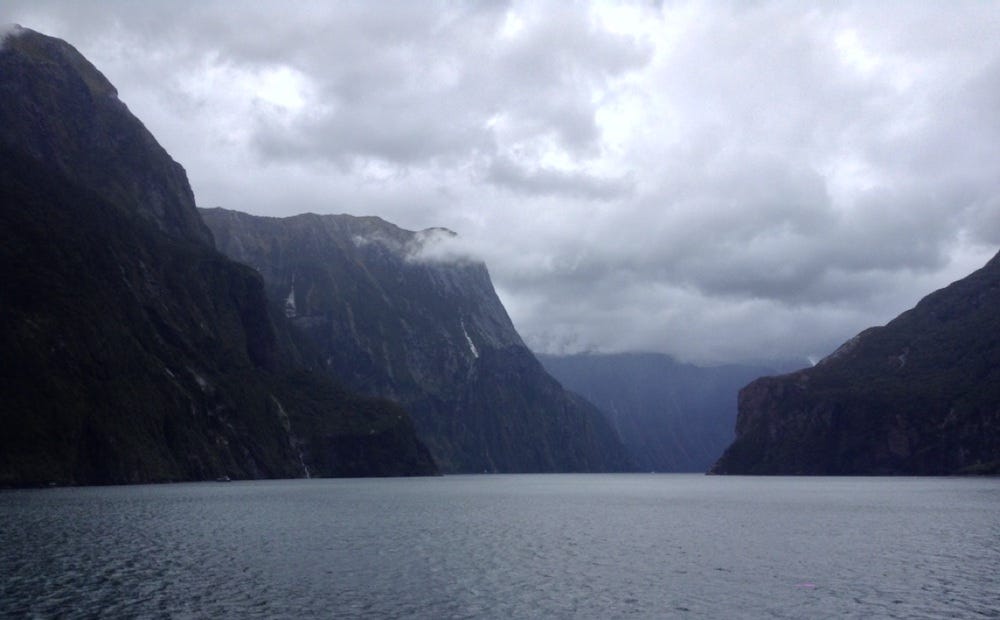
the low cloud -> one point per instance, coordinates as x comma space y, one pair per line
440, 245
8, 30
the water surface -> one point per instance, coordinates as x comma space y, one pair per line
524, 546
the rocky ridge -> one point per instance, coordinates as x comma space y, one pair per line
919, 396
392, 320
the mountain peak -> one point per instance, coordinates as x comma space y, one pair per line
133, 351
60, 110
46, 49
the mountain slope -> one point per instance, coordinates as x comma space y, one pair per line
920, 395
132, 350
61, 110
431, 334
672, 417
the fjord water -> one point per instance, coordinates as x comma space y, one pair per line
518, 546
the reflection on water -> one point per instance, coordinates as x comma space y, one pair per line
507, 547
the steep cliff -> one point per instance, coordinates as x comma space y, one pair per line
920, 395
672, 417
431, 334
132, 350
60, 109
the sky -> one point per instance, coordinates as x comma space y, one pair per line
719, 181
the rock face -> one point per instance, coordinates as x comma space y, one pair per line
920, 395
430, 334
672, 417
60, 109
132, 350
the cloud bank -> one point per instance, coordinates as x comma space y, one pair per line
718, 181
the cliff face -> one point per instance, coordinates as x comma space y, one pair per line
58, 108
920, 395
132, 350
431, 334
672, 417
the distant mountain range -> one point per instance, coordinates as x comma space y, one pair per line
132, 351
389, 320
672, 417
920, 395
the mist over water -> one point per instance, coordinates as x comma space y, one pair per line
507, 547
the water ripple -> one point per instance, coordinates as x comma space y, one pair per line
507, 547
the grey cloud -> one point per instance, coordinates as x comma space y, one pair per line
504, 172
407, 90
395, 133
717, 181
545, 74
424, 96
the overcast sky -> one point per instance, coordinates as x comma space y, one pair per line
721, 181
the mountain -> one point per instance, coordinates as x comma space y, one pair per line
672, 417
920, 395
132, 350
432, 334
59, 109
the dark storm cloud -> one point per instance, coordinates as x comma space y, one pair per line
719, 181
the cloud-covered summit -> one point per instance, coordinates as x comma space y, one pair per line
719, 181
9, 30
